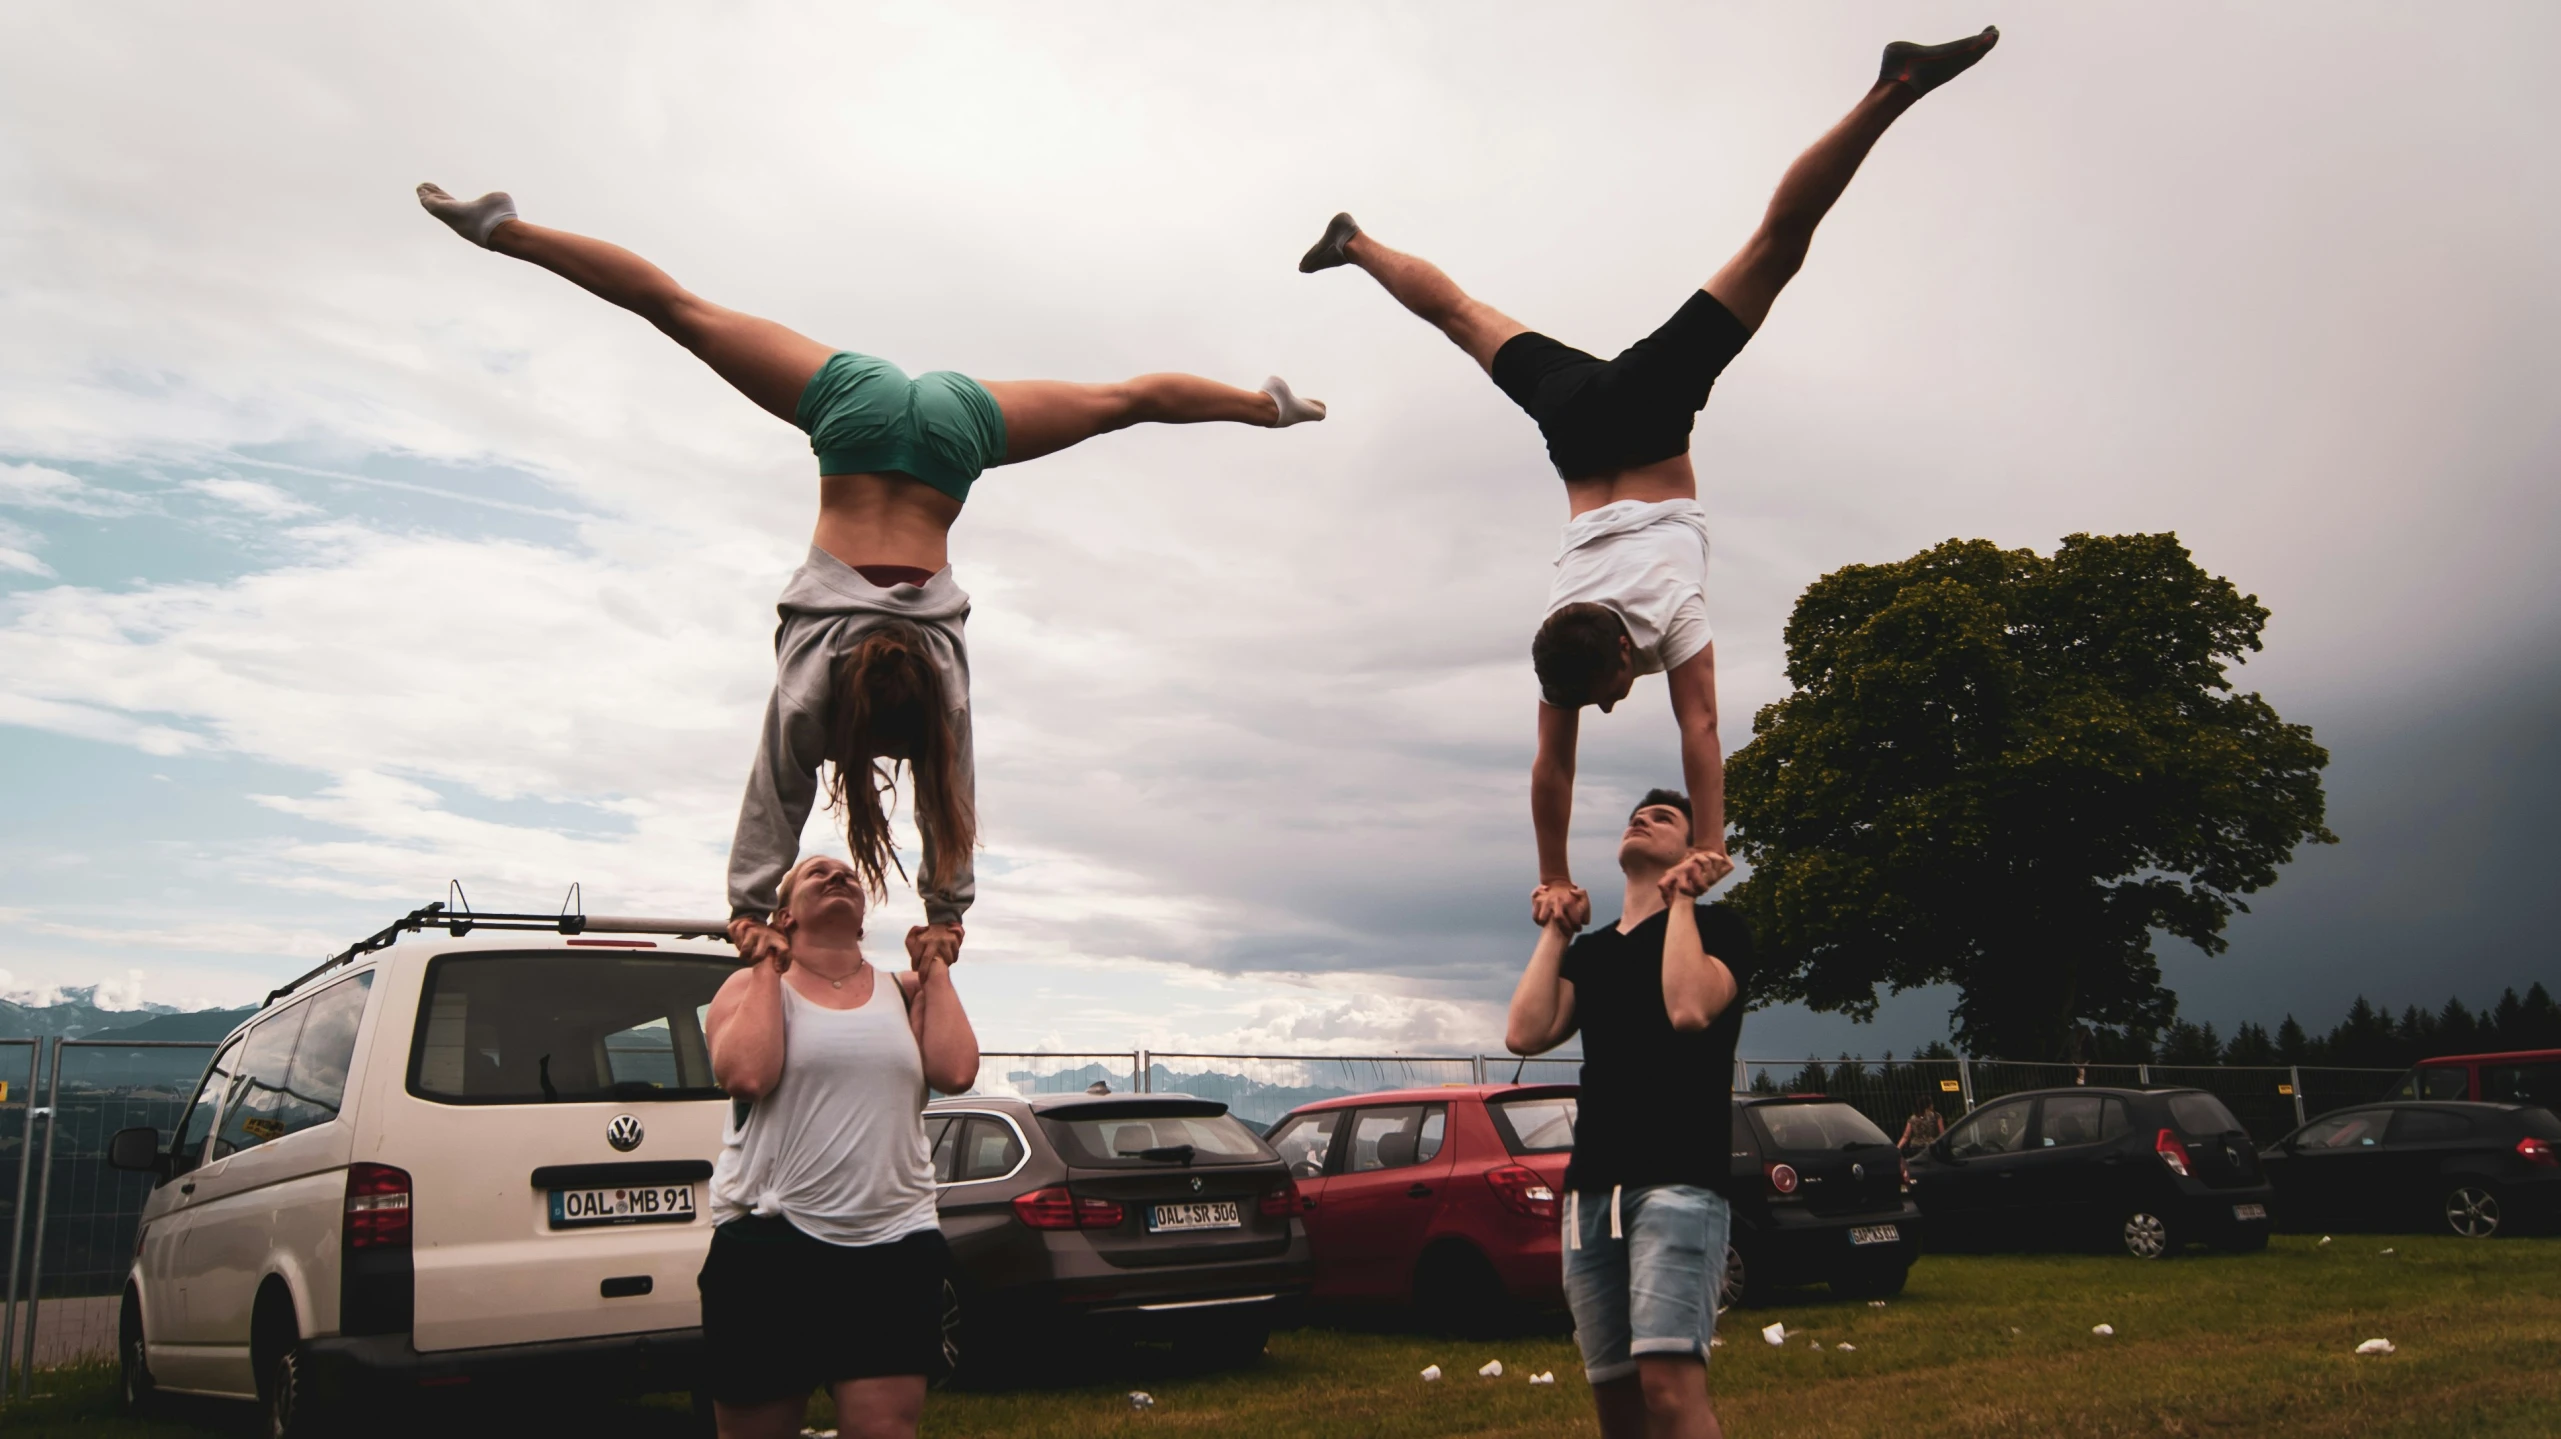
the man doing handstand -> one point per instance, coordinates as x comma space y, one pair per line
1629, 596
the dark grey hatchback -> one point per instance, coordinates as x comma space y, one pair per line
1078, 1216
2150, 1169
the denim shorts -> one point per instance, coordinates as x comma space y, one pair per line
1642, 1267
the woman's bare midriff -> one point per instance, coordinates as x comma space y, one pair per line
885, 519
1671, 479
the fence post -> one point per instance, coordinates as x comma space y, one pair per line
44, 1193
2143, 1075
1138, 1071
1965, 1080
2294, 1081
18, 1218
1742, 1076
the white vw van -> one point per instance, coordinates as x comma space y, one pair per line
456, 1164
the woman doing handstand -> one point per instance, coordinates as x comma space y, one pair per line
872, 663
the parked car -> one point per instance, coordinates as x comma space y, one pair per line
2473, 1169
2520, 1076
1819, 1198
1447, 1199
2152, 1169
1443, 1198
457, 1164
1131, 1215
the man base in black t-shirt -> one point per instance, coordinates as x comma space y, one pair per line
1657, 999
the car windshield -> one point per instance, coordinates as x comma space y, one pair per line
2435, 1081
562, 1027
2197, 1113
1540, 1125
1817, 1126
1136, 1139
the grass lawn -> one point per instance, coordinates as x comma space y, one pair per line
1978, 1345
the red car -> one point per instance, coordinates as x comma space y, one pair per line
1445, 1198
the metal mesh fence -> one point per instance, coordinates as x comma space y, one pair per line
1259, 1088
1024, 1075
1889, 1093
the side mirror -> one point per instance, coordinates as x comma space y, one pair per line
136, 1149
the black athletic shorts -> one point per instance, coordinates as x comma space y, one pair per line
783, 1313
1603, 416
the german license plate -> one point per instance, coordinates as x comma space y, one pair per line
1876, 1234
2249, 1211
646, 1204
1173, 1218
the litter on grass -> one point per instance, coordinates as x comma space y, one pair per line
1775, 1333
2103, 1330
1141, 1399
1493, 1370
2324, 1240
1549, 1377
1716, 1341
2375, 1346
1876, 1304
1431, 1372
2387, 1251
1847, 1348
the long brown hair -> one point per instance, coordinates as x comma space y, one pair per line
890, 709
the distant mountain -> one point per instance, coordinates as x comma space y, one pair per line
202, 1024
79, 1016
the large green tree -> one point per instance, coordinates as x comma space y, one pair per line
2006, 771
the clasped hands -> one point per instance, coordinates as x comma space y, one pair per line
759, 942
1564, 903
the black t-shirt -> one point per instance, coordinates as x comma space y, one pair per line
1657, 1104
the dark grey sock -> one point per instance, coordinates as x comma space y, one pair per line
1328, 252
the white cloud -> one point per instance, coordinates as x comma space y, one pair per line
264, 501
1251, 706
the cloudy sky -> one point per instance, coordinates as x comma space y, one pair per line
339, 558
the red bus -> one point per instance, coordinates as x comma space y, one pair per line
2523, 1076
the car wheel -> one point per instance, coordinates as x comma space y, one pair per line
1458, 1292
2473, 1212
952, 1334
133, 1361
2149, 1236
1227, 1344
1872, 1279
295, 1407
1746, 1281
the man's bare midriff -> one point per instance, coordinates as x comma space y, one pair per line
884, 519
1671, 479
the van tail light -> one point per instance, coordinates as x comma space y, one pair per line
2538, 1152
1523, 1190
1059, 1208
1280, 1201
377, 1207
2173, 1153
1782, 1177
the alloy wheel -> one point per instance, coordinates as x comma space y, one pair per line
284, 1398
2472, 1212
2147, 1236
951, 1330
1729, 1289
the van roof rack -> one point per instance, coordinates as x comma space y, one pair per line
454, 915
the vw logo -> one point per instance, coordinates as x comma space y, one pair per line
1858, 1171
623, 1133
1196, 1185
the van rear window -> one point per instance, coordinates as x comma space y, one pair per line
1136, 1139
1804, 1127
561, 1027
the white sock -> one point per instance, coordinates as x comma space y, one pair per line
471, 219
1293, 410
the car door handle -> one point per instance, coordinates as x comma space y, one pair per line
1307, 1201
1418, 1191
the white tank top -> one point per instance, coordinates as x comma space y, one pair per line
839, 1147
